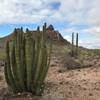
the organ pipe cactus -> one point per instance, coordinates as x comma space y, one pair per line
27, 62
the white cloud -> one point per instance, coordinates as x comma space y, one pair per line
70, 12
91, 41
23, 11
67, 37
93, 30
80, 12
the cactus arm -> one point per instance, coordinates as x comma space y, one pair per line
43, 70
39, 85
42, 67
23, 57
8, 71
19, 61
6, 75
40, 52
37, 47
40, 55
48, 63
14, 68
29, 59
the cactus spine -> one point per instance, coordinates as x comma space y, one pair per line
28, 62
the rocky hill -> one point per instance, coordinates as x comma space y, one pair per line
51, 33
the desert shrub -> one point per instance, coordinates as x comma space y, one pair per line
70, 63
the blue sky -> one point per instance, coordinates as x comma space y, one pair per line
67, 16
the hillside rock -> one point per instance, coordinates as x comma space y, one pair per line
50, 27
51, 34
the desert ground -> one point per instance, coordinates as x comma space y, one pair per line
62, 84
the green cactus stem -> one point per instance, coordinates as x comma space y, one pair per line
28, 61
77, 44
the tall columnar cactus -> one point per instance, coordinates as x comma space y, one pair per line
77, 44
27, 62
72, 51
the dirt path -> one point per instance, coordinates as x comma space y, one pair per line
80, 84
83, 84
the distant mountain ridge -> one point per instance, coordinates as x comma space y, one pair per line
51, 33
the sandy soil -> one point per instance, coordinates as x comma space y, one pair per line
79, 84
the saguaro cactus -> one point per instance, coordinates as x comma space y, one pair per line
72, 51
27, 62
77, 44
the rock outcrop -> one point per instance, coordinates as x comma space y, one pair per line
51, 34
